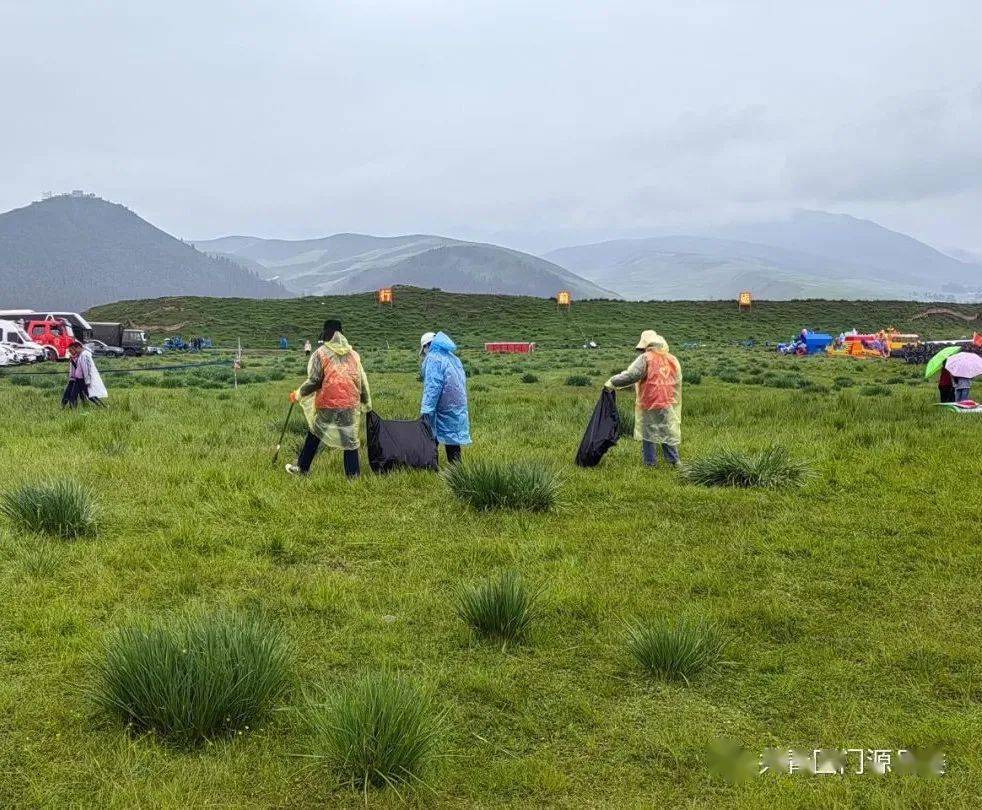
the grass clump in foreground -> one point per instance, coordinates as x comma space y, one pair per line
379, 731
728, 468
505, 485
61, 508
578, 380
676, 649
500, 608
192, 679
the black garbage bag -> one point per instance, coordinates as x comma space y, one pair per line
394, 443
602, 431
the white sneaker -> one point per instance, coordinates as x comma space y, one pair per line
293, 469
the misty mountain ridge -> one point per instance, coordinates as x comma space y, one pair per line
809, 254
72, 252
354, 263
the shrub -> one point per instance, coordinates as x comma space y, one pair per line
771, 468
379, 731
61, 508
501, 608
529, 378
675, 649
496, 485
577, 380
192, 679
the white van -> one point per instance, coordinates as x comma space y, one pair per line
13, 336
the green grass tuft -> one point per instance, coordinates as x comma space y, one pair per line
61, 508
192, 679
675, 649
625, 426
503, 485
728, 468
380, 731
500, 608
578, 380
529, 378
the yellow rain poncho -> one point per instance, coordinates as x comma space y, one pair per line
335, 394
657, 378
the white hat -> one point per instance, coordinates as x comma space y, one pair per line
649, 337
426, 340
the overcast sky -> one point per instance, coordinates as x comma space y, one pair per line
532, 123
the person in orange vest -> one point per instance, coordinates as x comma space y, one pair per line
333, 398
657, 378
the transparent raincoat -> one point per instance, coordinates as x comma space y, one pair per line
657, 378
96, 388
335, 394
445, 392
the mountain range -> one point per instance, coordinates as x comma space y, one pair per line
71, 252
74, 251
811, 254
353, 263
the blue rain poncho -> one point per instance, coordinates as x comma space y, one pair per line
445, 393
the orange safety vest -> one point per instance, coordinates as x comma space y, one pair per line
341, 388
656, 391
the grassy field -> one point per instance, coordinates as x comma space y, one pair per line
850, 605
474, 319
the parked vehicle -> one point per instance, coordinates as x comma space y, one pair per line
9, 356
13, 335
54, 335
100, 349
79, 326
132, 341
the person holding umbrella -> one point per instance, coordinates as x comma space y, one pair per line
332, 398
963, 367
946, 388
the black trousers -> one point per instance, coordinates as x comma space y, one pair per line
352, 464
947, 393
75, 390
453, 453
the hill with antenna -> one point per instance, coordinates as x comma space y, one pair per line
73, 251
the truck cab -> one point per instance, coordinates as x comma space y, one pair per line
54, 335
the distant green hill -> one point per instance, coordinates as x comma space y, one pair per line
473, 320
70, 252
353, 263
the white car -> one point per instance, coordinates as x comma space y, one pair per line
7, 357
14, 337
22, 354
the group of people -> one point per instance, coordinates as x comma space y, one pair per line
336, 393
951, 388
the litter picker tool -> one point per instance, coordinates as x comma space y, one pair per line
286, 423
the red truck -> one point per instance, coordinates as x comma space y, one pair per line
55, 335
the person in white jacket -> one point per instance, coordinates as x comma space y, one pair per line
84, 380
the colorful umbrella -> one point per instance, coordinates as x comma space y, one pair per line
964, 364
935, 363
